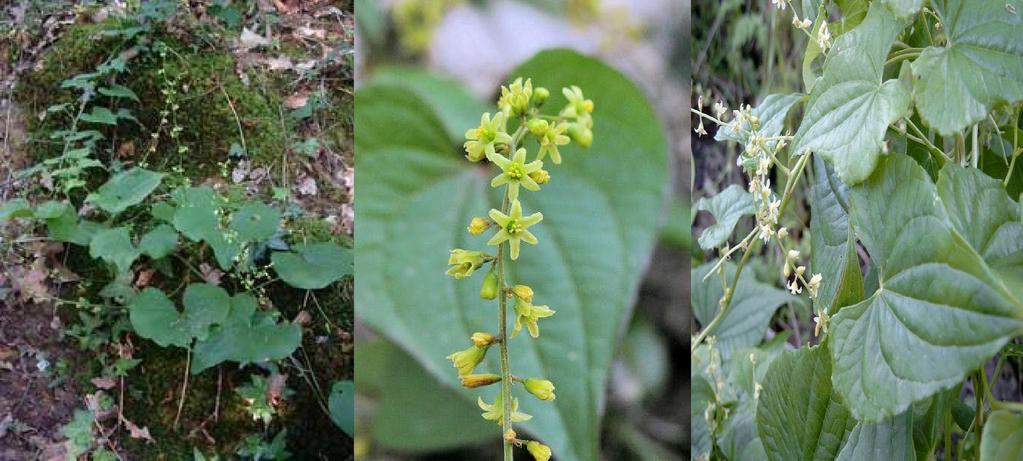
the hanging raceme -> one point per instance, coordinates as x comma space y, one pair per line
520, 104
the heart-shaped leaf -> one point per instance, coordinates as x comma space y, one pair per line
125, 189
801, 419
903, 8
159, 242
850, 107
255, 221
114, 246
982, 64
246, 336
342, 406
940, 309
727, 207
749, 314
833, 241
15, 208
313, 266
196, 217
601, 209
891, 439
154, 316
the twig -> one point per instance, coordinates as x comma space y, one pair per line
184, 387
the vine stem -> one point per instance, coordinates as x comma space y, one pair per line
184, 387
750, 249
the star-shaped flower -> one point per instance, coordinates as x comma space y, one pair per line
551, 139
515, 172
481, 140
495, 411
528, 314
578, 105
514, 228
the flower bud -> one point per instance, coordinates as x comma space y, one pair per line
540, 388
539, 451
523, 292
481, 339
540, 95
480, 380
478, 225
538, 127
582, 136
464, 262
466, 361
793, 255
489, 288
540, 176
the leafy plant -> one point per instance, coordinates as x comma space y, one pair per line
915, 273
408, 124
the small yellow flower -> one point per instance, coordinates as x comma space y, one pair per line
481, 140
495, 412
514, 228
466, 361
480, 380
478, 225
541, 176
523, 292
551, 139
529, 314
514, 100
515, 172
577, 103
540, 388
539, 451
481, 339
464, 262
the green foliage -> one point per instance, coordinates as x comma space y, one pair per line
727, 207
419, 194
342, 406
125, 189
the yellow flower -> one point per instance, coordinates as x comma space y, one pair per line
481, 140
515, 172
464, 262
495, 411
578, 105
539, 451
478, 225
466, 361
540, 388
551, 139
514, 228
515, 98
523, 292
481, 339
529, 314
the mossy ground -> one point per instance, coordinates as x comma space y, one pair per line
207, 80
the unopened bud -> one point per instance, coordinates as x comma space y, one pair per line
540, 388
489, 288
478, 225
582, 136
539, 451
483, 379
538, 127
540, 95
523, 292
481, 339
540, 176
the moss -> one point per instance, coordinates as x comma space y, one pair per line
207, 78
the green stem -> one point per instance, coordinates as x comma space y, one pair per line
921, 138
506, 376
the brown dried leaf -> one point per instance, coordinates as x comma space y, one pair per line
104, 382
137, 433
210, 274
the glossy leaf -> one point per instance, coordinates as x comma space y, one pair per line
420, 193
125, 189
752, 307
940, 310
851, 106
727, 207
982, 64
313, 266
799, 416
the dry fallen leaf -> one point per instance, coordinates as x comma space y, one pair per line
210, 274
104, 382
250, 40
145, 276
296, 100
275, 388
137, 433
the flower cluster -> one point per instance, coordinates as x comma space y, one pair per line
519, 103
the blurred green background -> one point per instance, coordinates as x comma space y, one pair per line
457, 53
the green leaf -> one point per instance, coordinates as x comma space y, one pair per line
939, 312
99, 115
833, 241
739, 439
125, 189
727, 207
342, 406
15, 208
929, 421
415, 413
1002, 437
455, 108
891, 439
255, 221
903, 8
118, 91
63, 224
154, 316
958, 84
771, 112
851, 106
752, 307
159, 242
115, 247
246, 336
196, 217
801, 418
313, 266
598, 231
